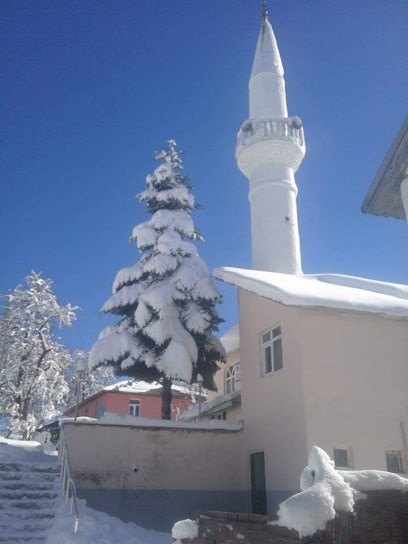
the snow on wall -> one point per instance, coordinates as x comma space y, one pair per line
326, 490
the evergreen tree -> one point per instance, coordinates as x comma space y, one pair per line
32, 360
167, 300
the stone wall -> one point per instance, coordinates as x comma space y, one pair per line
380, 519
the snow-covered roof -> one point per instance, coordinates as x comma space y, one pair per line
230, 339
322, 291
138, 386
229, 399
384, 195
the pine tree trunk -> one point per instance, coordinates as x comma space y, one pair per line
166, 399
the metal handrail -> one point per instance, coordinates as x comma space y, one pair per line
68, 484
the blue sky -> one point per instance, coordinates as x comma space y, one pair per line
91, 89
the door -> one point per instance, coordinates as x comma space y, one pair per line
258, 488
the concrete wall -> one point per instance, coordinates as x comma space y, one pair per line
272, 405
178, 471
355, 381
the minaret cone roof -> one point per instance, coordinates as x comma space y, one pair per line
267, 57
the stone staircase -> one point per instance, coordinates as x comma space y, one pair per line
29, 498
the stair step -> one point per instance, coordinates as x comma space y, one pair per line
26, 504
27, 515
21, 538
18, 525
26, 467
26, 476
33, 486
33, 495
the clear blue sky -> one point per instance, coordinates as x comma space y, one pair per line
90, 89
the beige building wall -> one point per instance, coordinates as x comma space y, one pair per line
165, 458
272, 405
355, 382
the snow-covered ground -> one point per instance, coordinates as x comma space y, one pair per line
94, 526
99, 527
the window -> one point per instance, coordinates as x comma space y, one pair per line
272, 356
394, 461
134, 407
99, 409
342, 457
222, 416
232, 376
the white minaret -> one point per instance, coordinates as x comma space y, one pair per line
270, 148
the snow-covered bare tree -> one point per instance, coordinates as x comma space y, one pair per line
93, 381
167, 300
32, 360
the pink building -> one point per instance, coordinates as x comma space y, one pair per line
136, 398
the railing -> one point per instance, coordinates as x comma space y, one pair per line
257, 130
68, 484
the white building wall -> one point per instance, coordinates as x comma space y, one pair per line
272, 406
355, 380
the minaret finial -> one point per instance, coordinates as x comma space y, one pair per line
264, 10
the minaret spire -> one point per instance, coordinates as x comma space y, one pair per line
270, 148
264, 10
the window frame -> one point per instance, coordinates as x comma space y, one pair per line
270, 343
134, 403
350, 461
400, 461
235, 377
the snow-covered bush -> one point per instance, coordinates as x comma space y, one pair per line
167, 300
32, 361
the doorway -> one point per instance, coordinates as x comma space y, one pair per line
258, 487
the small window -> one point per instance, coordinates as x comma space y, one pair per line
341, 457
221, 416
272, 354
394, 461
99, 409
134, 407
232, 376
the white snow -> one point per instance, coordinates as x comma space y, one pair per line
230, 339
24, 451
139, 386
326, 490
112, 418
322, 291
99, 527
374, 480
185, 528
192, 411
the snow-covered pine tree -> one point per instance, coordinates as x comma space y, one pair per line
167, 300
32, 361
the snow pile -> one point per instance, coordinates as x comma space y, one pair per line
184, 529
322, 291
326, 490
99, 527
374, 480
230, 339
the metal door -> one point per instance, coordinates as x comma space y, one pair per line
258, 488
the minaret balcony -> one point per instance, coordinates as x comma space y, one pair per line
268, 140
